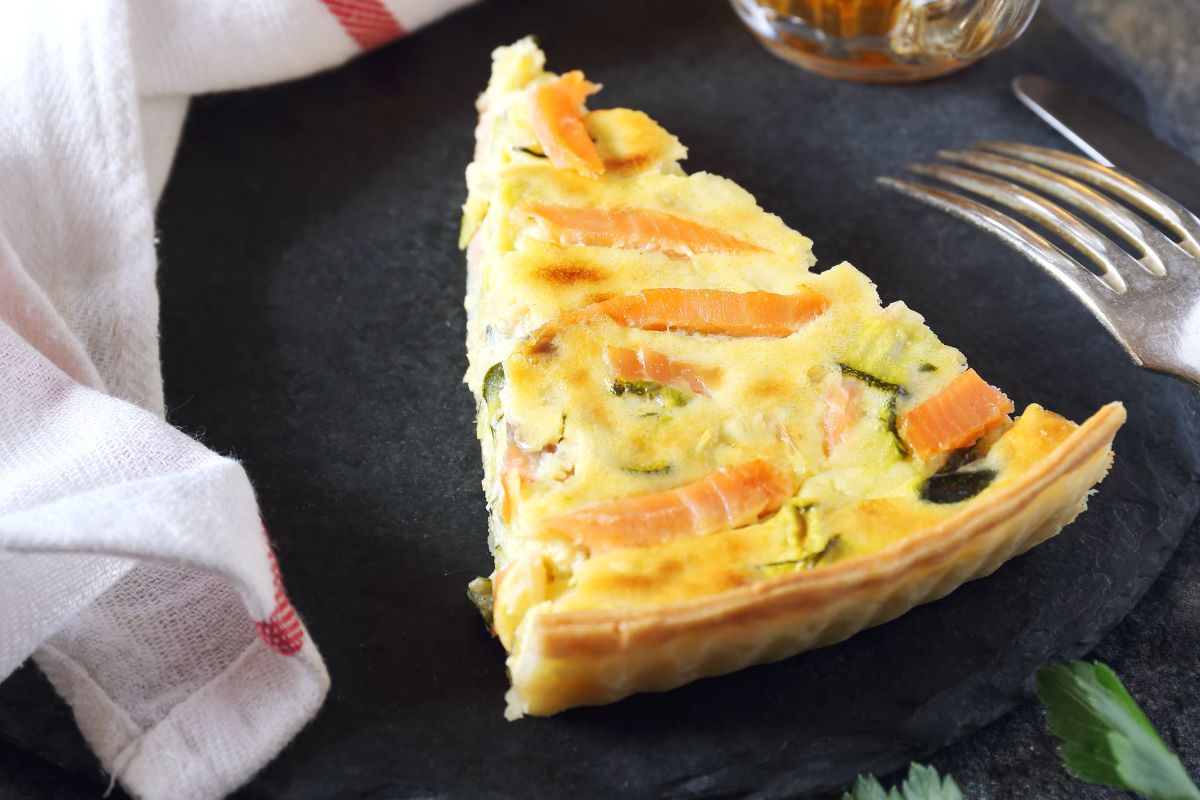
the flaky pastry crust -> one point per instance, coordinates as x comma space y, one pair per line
593, 657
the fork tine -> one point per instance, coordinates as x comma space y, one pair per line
1178, 219
1103, 253
1133, 229
1076, 278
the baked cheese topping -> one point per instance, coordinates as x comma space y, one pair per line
671, 404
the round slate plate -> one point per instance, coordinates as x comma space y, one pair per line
313, 327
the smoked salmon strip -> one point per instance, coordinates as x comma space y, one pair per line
728, 498
635, 229
697, 311
518, 470
841, 405
556, 111
956, 416
645, 364
715, 311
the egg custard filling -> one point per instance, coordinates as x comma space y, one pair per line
699, 454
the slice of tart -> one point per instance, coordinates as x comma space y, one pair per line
698, 454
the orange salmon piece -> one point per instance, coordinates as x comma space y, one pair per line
841, 410
696, 311
636, 229
556, 110
728, 498
956, 416
715, 311
645, 364
517, 471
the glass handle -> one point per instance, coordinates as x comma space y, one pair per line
957, 29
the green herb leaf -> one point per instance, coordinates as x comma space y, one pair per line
957, 459
890, 422
872, 381
1106, 739
866, 787
955, 487
893, 390
529, 151
922, 783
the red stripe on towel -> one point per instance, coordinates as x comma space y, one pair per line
281, 631
367, 21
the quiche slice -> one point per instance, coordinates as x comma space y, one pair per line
699, 455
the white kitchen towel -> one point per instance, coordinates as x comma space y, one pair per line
134, 566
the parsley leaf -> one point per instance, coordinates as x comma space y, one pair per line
1106, 738
922, 783
866, 787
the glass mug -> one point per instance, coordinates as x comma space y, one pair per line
885, 41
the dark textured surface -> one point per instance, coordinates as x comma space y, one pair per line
1154, 42
1156, 650
313, 327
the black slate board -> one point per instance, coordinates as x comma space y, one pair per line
313, 327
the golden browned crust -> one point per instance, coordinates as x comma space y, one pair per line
591, 657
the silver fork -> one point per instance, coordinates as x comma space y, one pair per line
1150, 303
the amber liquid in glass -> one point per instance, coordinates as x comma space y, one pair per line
880, 40
848, 18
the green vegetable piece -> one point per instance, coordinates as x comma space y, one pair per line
665, 395
640, 388
825, 552
466, 229
925, 366
529, 151
479, 591
493, 382
921, 783
1106, 739
808, 562
804, 518
881, 349
955, 487
653, 469
779, 567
